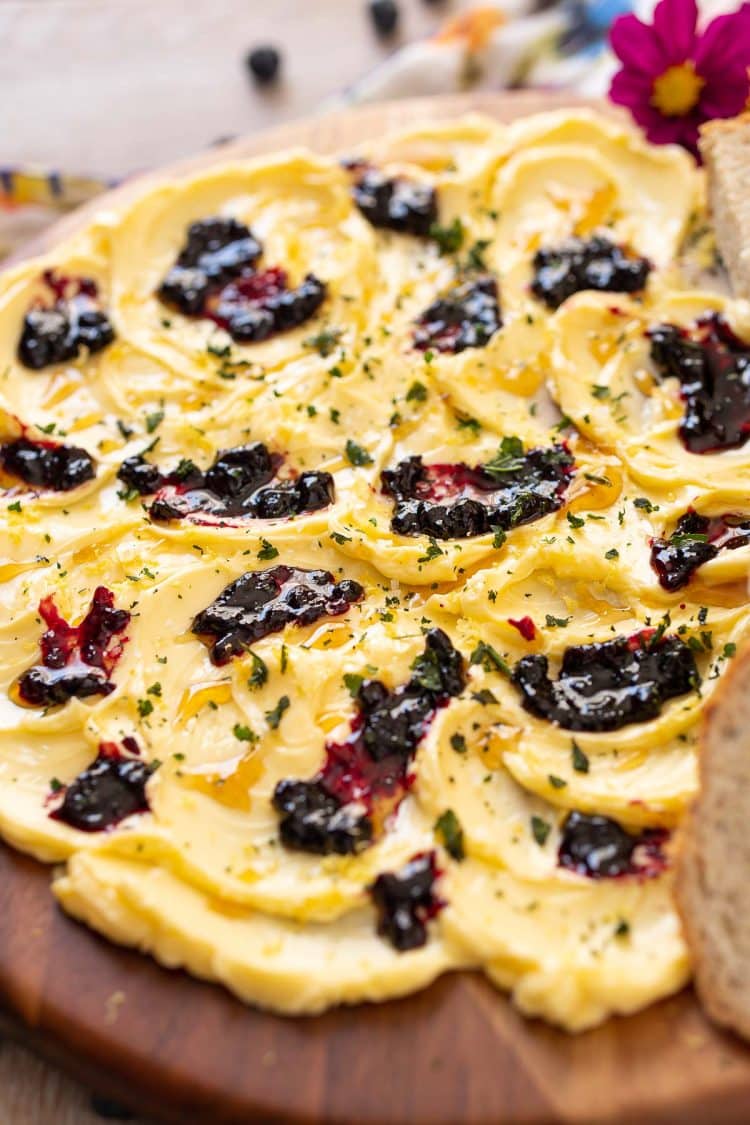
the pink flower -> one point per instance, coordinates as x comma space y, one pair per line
674, 77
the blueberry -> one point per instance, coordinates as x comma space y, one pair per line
466, 316
315, 821
598, 263
108, 791
384, 15
41, 465
263, 63
606, 685
405, 900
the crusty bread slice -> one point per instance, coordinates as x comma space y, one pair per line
725, 147
713, 856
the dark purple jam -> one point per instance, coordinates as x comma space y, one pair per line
458, 501
406, 900
601, 848
606, 686
695, 540
265, 601
112, 788
215, 276
713, 369
366, 776
46, 464
561, 271
76, 660
466, 316
58, 331
394, 204
240, 484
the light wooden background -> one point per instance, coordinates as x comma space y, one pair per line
107, 87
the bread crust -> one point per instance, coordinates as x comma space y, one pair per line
725, 148
712, 884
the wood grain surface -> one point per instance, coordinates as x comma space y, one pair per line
185, 1051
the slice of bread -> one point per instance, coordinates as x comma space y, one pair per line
713, 857
725, 147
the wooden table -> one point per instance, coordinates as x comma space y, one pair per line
106, 87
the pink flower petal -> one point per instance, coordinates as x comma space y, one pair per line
724, 98
725, 43
636, 46
675, 22
629, 89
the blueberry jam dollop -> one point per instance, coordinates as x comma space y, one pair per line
46, 464
239, 484
604, 686
265, 601
712, 366
601, 848
341, 808
393, 204
71, 321
695, 540
112, 788
466, 316
458, 501
406, 900
560, 271
76, 660
215, 276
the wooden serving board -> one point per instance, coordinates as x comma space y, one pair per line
456, 1054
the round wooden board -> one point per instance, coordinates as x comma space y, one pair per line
186, 1051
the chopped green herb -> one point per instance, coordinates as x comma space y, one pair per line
489, 658
484, 696
498, 537
464, 422
417, 392
353, 682
258, 672
244, 733
508, 459
475, 259
451, 834
276, 714
458, 743
580, 760
426, 669
356, 455
540, 829
325, 341
432, 552
450, 238
340, 538
267, 551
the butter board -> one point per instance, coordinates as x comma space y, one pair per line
182, 1050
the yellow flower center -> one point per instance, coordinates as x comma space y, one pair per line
677, 90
